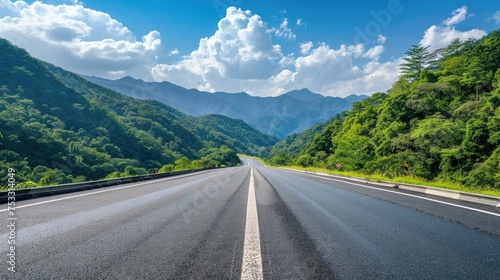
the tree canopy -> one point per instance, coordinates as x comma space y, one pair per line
58, 128
444, 121
416, 60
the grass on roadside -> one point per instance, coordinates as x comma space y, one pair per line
403, 179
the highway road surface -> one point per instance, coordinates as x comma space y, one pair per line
250, 222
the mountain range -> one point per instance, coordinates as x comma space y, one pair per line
56, 127
283, 115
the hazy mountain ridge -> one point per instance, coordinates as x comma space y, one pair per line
289, 113
56, 127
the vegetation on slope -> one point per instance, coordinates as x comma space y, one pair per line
443, 119
291, 147
57, 127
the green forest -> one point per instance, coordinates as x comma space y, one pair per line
56, 127
442, 117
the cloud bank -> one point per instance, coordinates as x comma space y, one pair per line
78, 39
240, 56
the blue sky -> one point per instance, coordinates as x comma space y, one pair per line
258, 46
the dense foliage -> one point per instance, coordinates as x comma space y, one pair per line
221, 130
445, 122
291, 147
57, 127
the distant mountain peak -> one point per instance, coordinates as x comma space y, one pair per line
353, 98
129, 78
304, 95
282, 115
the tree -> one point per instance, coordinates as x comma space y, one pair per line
417, 59
183, 164
304, 160
453, 48
475, 143
54, 177
476, 76
495, 83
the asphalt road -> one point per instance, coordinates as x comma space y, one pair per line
197, 226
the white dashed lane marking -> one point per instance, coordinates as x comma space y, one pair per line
252, 259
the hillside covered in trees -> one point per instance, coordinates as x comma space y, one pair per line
57, 127
442, 117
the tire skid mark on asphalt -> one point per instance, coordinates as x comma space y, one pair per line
311, 263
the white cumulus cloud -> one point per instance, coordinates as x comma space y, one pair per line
78, 39
239, 56
174, 52
321, 68
305, 48
440, 36
241, 49
374, 53
284, 31
496, 17
381, 39
333, 72
299, 22
458, 16
376, 77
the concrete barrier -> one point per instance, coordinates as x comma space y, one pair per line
22, 194
457, 195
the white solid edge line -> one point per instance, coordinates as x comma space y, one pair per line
252, 259
96, 192
411, 195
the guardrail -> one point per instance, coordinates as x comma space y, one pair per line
458, 195
22, 194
